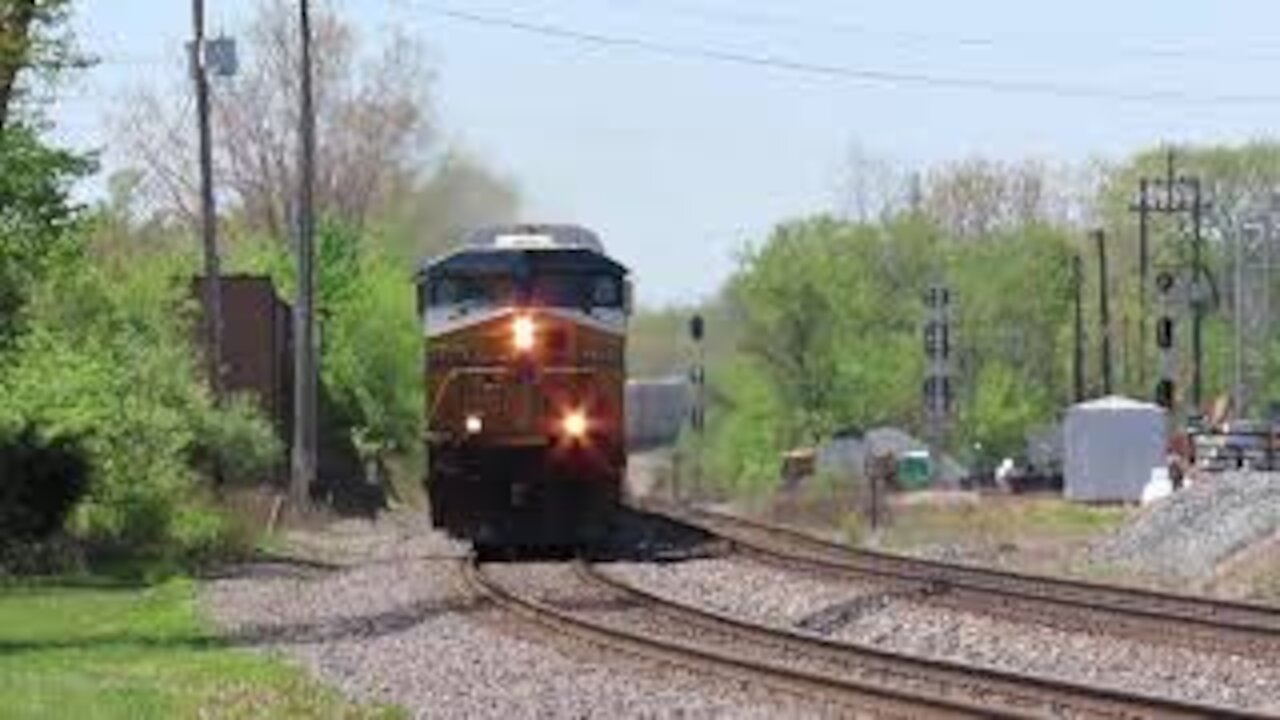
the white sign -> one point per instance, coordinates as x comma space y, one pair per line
517, 242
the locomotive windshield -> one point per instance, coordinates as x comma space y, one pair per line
585, 291
570, 290
472, 290
570, 277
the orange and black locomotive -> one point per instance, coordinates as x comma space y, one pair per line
525, 342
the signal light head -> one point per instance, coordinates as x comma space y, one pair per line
522, 331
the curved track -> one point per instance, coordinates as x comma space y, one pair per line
1170, 618
603, 610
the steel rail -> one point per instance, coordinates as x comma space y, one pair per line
1021, 693
1170, 618
885, 701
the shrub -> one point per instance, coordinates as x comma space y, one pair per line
43, 480
371, 342
107, 359
237, 440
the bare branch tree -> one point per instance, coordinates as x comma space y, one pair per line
976, 197
374, 126
870, 187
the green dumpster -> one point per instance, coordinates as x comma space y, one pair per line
914, 470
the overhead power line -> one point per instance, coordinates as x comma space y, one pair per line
772, 19
849, 72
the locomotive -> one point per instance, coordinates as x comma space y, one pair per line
525, 330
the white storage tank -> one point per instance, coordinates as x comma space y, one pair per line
1111, 445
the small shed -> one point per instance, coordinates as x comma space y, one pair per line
847, 454
1111, 445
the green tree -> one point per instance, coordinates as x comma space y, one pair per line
107, 361
1005, 405
370, 338
36, 216
37, 219
34, 41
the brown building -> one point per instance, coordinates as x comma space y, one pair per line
256, 347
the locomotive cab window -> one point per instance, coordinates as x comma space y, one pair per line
463, 290
604, 292
577, 291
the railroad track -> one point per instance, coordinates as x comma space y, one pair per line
1153, 616
602, 610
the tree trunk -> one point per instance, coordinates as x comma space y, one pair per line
15, 46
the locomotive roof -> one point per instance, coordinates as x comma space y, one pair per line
534, 235
527, 249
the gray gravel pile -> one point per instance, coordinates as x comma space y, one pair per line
398, 626
790, 598
1187, 535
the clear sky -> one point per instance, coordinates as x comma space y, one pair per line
677, 161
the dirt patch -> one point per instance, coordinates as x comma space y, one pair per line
1252, 574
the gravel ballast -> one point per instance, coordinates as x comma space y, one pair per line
397, 625
1188, 534
887, 617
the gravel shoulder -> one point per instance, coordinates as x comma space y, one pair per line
396, 624
1188, 537
885, 617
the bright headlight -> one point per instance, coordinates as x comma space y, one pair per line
473, 424
522, 333
575, 424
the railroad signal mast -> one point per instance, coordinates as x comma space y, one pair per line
937, 389
698, 406
1165, 341
1180, 195
1252, 258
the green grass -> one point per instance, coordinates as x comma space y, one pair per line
999, 520
91, 649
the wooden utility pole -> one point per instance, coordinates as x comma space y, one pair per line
1143, 208
1197, 294
208, 209
304, 380
1077, 365
1104, 310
